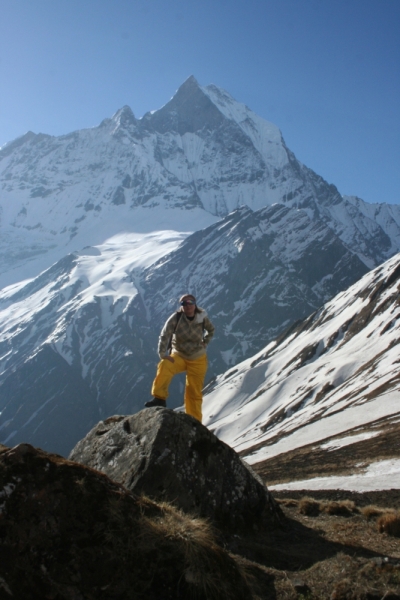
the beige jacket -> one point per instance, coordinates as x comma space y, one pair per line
190, 338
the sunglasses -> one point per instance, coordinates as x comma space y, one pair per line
188, 303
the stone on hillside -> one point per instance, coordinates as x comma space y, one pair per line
69, 532
171, 456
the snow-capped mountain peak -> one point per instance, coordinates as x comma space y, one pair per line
202, 153
124, 117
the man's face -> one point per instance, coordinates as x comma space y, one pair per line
188, 306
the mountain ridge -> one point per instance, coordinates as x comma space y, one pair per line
58, 194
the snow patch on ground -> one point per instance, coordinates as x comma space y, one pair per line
381, 475
348, 440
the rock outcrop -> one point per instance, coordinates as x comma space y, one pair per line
69, 532
171, 456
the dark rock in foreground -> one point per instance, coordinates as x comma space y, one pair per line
69, 532
171, 456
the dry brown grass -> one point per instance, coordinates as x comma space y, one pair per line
195, 538
290, 502
337, 553
312, 507
342, 508
389, 523
371, 511
327, 549
309, 506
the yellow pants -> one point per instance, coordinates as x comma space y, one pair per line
195, 374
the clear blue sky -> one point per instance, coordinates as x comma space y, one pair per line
326, 72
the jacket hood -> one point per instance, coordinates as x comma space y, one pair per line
200, 316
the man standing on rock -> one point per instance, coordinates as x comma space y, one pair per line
186, 334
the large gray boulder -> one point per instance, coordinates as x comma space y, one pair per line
171, 456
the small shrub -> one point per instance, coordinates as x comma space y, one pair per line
207, 565
389, 523
372, 512
344, 508
309, 507
290, 502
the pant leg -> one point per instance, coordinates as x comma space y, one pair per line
195, 374
165, 372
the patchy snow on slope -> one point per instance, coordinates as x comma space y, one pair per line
37, 252
104, 273
345, 420
335, 373
349, 440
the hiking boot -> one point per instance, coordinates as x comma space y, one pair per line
156, 402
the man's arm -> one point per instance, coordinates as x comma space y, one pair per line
165, 336
209, 327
